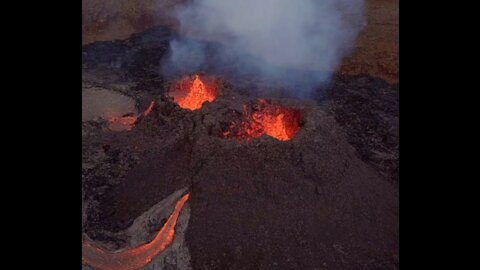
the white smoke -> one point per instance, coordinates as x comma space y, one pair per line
269, 37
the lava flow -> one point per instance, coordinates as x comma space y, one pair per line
126, 122
190, 93
149, 109
275, 121
134, 258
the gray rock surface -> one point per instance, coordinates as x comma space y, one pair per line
103, 103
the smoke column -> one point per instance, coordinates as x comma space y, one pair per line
300, 42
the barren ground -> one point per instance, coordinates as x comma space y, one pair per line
376, 51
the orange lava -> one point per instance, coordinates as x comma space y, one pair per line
134, 258
149, 109
190, 93
122, 123
126, 122
273, 120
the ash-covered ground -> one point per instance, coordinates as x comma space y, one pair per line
327, 199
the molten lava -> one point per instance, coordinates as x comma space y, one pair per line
126, 122
134, 258
149, 109
273, 120
190, 93
116, 123
122, 123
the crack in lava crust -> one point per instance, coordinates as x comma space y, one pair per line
134, 258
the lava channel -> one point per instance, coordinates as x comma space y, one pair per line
275, 121
127, 122
191, 92
137, 257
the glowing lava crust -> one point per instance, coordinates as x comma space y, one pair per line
275, 121
126, 122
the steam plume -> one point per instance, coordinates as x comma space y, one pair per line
299, 42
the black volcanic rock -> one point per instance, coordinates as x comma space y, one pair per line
367, 108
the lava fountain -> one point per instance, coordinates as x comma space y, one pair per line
191, 92
276, 121
134, 258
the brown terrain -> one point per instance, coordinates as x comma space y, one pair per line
376, 51
104, 20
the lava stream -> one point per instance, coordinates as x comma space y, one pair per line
149, 109
134, 258
127, 122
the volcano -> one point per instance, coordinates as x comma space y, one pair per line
273, 182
